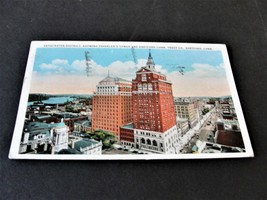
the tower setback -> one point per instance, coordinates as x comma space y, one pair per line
154, 119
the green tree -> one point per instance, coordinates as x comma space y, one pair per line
205, 111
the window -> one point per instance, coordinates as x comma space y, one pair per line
143, 141
140, 87
150, 87
145, 87
144, 77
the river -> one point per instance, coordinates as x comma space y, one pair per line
55, 100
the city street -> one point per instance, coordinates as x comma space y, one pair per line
205, 132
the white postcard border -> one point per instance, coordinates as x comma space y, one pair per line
14, 150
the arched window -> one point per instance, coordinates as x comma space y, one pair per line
143, 141
155, 143
140, 87
148, 142
150, 87
145, 87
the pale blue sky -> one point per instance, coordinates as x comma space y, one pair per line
168, 59
63, 70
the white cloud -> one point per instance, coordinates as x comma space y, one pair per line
206, 70
202, 80
60, 62
78, 65
117, 68
48, 66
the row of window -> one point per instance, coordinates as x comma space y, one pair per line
147, 127
145, 87
149, 142
146, 76
109, 128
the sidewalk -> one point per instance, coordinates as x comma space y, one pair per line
189, 134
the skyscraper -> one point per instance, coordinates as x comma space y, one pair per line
154, 119
112, 105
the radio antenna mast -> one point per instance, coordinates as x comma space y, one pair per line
134, 57
88, 63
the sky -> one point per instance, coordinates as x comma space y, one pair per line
63, 70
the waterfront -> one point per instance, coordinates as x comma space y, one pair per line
55, 100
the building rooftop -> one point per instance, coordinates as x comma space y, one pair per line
178, 119
84, 143
82, 122
36, 128
128, 126
42, 116
182, 103
66, 115
230, 138
150, 62
113, 79
69, 151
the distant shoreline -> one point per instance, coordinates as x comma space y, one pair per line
90, 95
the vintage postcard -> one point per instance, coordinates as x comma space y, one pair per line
129, 100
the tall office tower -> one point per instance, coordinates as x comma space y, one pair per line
154, 119
112, 105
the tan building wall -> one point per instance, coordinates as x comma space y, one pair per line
185, 110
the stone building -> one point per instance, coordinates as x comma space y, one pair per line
40, 137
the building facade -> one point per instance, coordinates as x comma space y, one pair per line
186, 110
127, 135
86, 146
82, 126
182, 125
154, 121
40, 137
112, 105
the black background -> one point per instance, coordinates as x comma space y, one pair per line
240, 24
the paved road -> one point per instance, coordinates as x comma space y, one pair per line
205, 133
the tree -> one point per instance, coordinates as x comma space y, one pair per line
106, 144
205, 111
106, 137
69, 109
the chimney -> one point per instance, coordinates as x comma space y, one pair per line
72, 144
